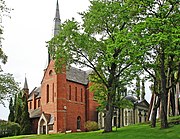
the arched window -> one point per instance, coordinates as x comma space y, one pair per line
50, 73
69, 92
75, 93
30, 105
47, 91
35, 104
78, 122
39, 103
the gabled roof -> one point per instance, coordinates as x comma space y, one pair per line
72, 74
35, 113
76, 75
48, 118
136, 102
37, 93
142, 103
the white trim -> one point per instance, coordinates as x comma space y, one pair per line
39, 124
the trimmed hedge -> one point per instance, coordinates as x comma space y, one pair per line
9, 129
91, 126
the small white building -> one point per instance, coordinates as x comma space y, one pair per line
128, 116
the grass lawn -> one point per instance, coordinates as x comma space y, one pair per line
141, 131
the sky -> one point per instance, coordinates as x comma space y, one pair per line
25, 36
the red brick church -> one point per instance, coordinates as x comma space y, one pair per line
63, 101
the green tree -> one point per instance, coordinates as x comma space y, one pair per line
3, 11
101, 43
8, 86
11, 108
18, 109
158, 36
137, 90
25, 120
143, 90
15, 102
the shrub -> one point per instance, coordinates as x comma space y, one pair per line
9, 129
91, 126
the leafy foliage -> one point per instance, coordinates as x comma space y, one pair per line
25, 120
91, 126
4, 10
118, 40
8, 87
101, 43
158, 35
9, 129
11, 108
18, 108
21, 114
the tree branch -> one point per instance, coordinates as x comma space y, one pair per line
120, 71
91, 66
149, 72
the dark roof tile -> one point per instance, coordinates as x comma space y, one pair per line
35, 113
76, 75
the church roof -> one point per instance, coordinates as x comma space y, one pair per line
35, 113
76, 75
37, 93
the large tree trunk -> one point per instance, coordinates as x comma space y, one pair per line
177, 100
163, 116
108, 122
150, 106
172, 100
154, 113
108, 115
112, 84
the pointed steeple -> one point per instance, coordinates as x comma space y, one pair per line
57, 20
26, 89
25, 84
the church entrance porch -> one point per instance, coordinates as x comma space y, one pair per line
45, 123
